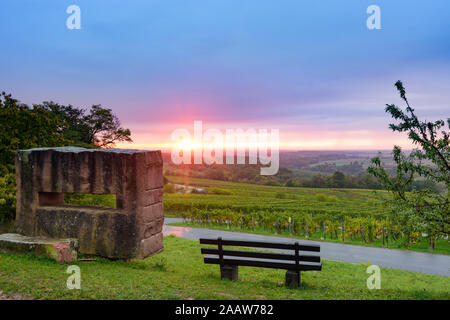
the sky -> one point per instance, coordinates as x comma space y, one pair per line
311, 69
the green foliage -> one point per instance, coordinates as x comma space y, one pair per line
104, 127
23, 128
98, 128
254, 197
7, 198
103, 200
350, 215
284, 177
423, 210
300, 224
216, 190
321, 197
280, 195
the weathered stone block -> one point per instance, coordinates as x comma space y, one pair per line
150, 246
149, 197
43, 175
150, 213
153, 227
61, 250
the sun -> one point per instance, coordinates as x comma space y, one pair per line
188, 145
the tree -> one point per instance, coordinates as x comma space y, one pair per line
425, 210
99, 128
104, 128
338, 179
23, 127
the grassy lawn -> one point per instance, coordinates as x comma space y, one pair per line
442, 245
179, 273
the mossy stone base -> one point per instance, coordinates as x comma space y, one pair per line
61, 250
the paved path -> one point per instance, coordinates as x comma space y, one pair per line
423, 262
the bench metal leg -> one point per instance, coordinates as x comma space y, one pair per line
229, 272
292, 278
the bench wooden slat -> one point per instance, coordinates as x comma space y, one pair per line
263, 264
262, 255
261, 244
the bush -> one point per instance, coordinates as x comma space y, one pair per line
332, 199
280, 195
321, 197
219, 191
7, 198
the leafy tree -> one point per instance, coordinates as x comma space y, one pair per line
338, 179
98, 128
74, 126
104, 128
425, 210
23, 128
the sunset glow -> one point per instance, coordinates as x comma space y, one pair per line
322, 80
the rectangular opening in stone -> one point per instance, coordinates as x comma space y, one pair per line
89, 199
51, 198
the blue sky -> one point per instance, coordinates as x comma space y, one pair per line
310, 68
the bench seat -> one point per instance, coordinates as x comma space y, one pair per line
264, 263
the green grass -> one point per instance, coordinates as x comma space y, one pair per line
442, 245
179, 273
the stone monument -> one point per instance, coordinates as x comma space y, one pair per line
131, 230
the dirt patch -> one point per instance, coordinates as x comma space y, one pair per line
14, 296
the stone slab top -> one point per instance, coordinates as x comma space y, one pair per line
18, 238
79, 149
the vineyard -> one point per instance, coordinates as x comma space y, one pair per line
344, 215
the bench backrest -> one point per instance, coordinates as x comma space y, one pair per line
285, 261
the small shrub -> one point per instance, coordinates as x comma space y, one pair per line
321, 197
280, 195
332, 199
7, 198
219, 191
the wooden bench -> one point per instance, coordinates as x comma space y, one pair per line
229, 260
